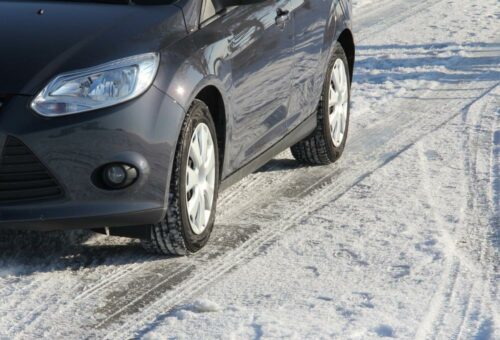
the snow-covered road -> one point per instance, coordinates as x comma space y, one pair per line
401, 238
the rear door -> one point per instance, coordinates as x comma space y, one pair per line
312, 19
261, 55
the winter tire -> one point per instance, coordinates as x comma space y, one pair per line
326, 144
193, 189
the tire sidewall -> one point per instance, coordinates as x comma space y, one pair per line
199, 113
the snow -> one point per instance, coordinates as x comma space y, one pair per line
400, 239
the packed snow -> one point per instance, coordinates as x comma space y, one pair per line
400, 239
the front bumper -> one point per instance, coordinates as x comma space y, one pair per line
143, 132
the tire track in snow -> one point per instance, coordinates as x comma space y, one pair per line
234, 199
470, 295
110, 277
88, 296
109, 280
200, 280
441, 299
392, 20
495, 182
481, 119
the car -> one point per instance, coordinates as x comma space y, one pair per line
129, 117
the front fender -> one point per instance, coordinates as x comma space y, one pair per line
340, 20
195, 63
188, 66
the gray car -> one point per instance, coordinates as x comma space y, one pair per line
131, 116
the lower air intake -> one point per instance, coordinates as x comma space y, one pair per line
23, 177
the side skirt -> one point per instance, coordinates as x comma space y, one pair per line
296, 135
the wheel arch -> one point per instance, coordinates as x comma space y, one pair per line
346, 39
213, 98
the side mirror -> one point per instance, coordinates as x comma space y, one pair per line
228, 3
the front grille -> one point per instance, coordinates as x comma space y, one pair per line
23, 177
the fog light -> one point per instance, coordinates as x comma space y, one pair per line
116, 174
119, 176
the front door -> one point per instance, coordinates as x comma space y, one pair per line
261, 57
311, 19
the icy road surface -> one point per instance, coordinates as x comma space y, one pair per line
399, 239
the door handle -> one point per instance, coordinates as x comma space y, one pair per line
282, 17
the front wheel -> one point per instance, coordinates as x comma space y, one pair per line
193, 189
326, 144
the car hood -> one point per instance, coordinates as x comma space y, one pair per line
39, 40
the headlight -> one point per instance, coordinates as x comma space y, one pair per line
97, 87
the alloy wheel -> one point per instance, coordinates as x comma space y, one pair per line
338, 102
200, 178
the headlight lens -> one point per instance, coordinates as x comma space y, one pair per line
97, 87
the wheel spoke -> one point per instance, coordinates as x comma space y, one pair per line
209, 159
333, 100
203, 144
208, 193
344, 83
195, 153
335, 79
333, 117
338, 125
208, 198
335, 124
344, 95
201, 212
193, 205
191, 180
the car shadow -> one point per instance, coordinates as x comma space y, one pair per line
281, 164
23, 253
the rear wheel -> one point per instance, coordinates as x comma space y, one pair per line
326, 144
193, 189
